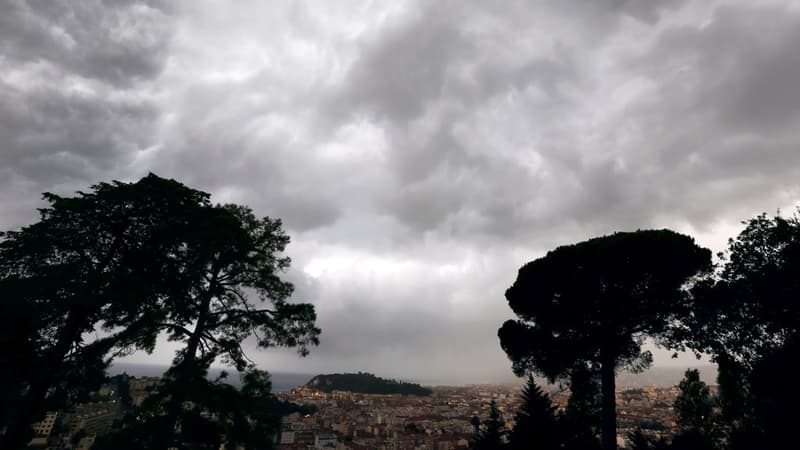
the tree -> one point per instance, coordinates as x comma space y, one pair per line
98, 259
748, 309
691, 440
696, 419
746, 315
694, 406
535, 425
231, 261
219, 416
774, 397
491, 436
593, 303
475, 421
138, 259
639, 441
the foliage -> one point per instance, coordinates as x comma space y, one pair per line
652, 426
639, 441
94, 260
749, 308
632, 392
694, 408
123, 387
491, 435
475, 421
138, 259
694, 405
692, 440
592, 304
284, 408
536, 423
413, 428
365, 383
219, 415
748, 318
774, 398
229, 261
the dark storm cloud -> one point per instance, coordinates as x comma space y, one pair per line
221, 146
744, 78
722, 121
118, 42
426, 80
42, 125
649, 11
418, 152
72, 106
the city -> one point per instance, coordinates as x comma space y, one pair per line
444, 420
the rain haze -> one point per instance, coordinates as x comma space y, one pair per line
418, 152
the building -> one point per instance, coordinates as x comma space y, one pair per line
42, 429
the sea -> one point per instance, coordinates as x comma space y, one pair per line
281, 381
286, 381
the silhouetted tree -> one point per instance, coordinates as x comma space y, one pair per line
475, 421
733, 396
694, 405
749, 308
748, 318
490, 436
639, 441
594, 302
138, 259
774, 399
535, 425
692, 440
219, 416
694, 408
94, 260
234, 261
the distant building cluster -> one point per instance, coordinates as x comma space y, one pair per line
77, 426
442, 421
346, 420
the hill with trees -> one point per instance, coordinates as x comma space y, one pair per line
364, 383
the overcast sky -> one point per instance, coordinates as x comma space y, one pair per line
419, 152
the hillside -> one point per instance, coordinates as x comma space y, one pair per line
365, 383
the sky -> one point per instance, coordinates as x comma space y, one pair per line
418, 152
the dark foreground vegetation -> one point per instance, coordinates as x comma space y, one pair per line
139, 260
584, 311
365, 383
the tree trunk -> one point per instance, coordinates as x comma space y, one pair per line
609, 405
175, 404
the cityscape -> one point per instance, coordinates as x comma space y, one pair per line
443, 420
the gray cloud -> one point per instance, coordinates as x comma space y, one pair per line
418, 152
118, 42
720, 120
74, 105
